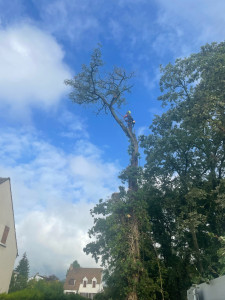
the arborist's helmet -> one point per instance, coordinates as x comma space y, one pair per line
128, 112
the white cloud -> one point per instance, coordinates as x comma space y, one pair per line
55, 237
116, 29
53, 193
71, 19
187, 25
143, 130
73, 126
32, 69
156, 111
151, 78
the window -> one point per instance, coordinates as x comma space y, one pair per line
72, 281
5, 235
85, 281
93, 283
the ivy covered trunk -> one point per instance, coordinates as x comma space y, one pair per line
134, 228
135, 255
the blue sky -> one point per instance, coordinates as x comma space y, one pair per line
62, 158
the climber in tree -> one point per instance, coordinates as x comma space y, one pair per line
129, 120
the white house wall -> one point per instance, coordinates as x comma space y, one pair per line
89, 289
213, 290
70, 292
8, 251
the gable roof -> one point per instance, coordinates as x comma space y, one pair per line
3, 179
79, 274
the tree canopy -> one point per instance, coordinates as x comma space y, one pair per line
185, 165
75, 264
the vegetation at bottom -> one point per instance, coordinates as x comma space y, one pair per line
41, 290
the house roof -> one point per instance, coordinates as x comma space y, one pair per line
3, 179
79, 274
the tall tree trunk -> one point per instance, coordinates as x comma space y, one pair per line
196, 249
134, 239
135, 254
134, 228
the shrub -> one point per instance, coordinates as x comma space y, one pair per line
41, 290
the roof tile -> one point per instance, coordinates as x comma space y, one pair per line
79, 273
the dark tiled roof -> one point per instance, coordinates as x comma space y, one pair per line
79, 273
3, 179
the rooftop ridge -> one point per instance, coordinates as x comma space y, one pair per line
3, 179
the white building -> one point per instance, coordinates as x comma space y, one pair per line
84, 281
37, 277
212, 290
8, 244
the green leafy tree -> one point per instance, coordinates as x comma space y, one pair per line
74, 264
23, 266
20, 276
185, 165
118, 234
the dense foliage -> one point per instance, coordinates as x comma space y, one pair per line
113, 235
41, 290
184, 171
